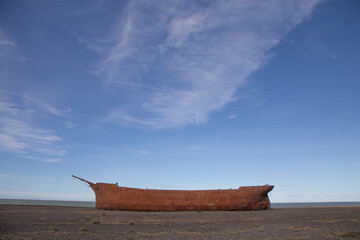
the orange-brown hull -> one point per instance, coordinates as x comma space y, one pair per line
114, 197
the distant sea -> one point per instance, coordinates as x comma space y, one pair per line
314, 204
48, 202
92, 204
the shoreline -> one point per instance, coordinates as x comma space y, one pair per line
67, 222
92, 203
87, 207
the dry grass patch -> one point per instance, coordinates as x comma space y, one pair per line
154, 234
349, 235
83, 229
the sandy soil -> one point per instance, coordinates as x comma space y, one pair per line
50, 222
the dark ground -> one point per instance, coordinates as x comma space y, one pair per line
50, 222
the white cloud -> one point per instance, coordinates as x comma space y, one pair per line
232, 116
144, 152
3, 175
41, 105
22, 129
71, 125
5, 44
52, 160
18, 131
11, 143
8, 49
182, 27
179, 61
194, 148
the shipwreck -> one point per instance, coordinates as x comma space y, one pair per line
114, 197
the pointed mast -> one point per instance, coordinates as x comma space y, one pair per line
83, 180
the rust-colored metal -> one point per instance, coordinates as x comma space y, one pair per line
90, 183
114, 197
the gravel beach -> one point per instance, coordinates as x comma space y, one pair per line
53, 222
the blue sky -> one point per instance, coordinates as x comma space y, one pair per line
180, 95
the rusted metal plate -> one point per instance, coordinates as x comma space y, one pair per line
114, 197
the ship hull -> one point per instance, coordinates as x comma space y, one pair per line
114, 197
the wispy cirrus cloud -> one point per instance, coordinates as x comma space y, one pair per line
20, 134
52, 160
33, 103
232, 116
21, 115
145, 152
8, 49
195, 148
178, 61
5, 44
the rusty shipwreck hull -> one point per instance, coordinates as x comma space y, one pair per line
114, 197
